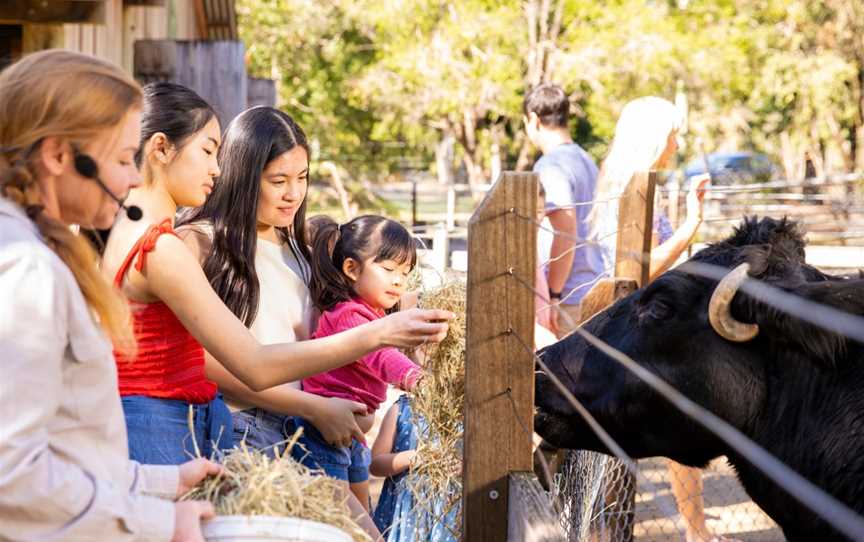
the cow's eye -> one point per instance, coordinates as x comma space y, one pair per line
658, 310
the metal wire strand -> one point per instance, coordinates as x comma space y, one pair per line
813, 497
598, 429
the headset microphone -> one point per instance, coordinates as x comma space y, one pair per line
86, 167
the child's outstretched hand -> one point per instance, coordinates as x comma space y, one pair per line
414, 327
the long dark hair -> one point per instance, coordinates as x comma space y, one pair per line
252, 140
367, 236
174, 110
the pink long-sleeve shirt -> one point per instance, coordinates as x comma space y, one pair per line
365, 380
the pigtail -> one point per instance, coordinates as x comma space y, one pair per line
329, 284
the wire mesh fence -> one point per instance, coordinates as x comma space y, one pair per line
831, 208
605, 498
601, 501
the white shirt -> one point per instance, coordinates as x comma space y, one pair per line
285, 309
65, 472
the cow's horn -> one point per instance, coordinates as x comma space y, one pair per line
718, 310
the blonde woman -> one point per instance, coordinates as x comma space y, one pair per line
645, 139
64, 467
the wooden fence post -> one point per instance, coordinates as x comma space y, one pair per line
636, 228
260, 92
632, 271
499, 372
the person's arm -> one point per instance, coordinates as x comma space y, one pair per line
174, 276
43, 493
338, 420
561, 254
665, 255
161, 481
563, 219
386, 462
335, 418
388, 364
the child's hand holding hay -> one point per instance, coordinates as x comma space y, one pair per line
437, 404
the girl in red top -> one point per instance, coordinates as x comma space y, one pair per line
176, 311
359, 271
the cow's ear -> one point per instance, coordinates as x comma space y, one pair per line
825, 343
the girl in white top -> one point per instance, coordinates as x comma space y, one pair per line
250, 237
64, 467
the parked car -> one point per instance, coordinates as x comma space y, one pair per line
729, 168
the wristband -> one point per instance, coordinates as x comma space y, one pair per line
554, 295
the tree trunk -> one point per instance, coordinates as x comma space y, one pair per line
788, 156
444, 158
523, 162
495, 161
467, 137
339, 186
475, 175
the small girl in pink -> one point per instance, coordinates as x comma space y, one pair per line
359, 271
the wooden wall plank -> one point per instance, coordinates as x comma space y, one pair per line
214, 69
260, 92
37, 37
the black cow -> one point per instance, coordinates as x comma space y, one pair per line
794, 388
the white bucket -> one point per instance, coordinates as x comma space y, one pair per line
270, 529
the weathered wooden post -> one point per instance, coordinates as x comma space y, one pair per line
501, 498
632, 270
260, 92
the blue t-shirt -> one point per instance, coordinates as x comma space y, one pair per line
569, 176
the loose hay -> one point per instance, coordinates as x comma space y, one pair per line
254, 484
437, 405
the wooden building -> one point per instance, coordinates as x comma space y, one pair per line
192, 42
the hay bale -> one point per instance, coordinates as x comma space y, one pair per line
254, 484
437, 405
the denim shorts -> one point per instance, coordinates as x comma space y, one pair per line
158, 429
261, 430
349, 464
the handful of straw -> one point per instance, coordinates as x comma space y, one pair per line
254, 484
437, 404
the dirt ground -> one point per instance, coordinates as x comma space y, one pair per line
728, 509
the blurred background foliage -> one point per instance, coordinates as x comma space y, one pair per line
389, 88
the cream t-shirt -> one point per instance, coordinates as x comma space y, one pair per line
285, 309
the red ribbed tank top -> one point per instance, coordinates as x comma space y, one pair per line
169, 363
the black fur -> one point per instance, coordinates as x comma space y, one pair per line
796, 389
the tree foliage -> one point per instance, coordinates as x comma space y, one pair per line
382, 83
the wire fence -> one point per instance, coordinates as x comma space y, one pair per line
831, 208
598, 497
614, 498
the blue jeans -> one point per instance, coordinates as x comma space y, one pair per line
158, 429
261, 430
349, 464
